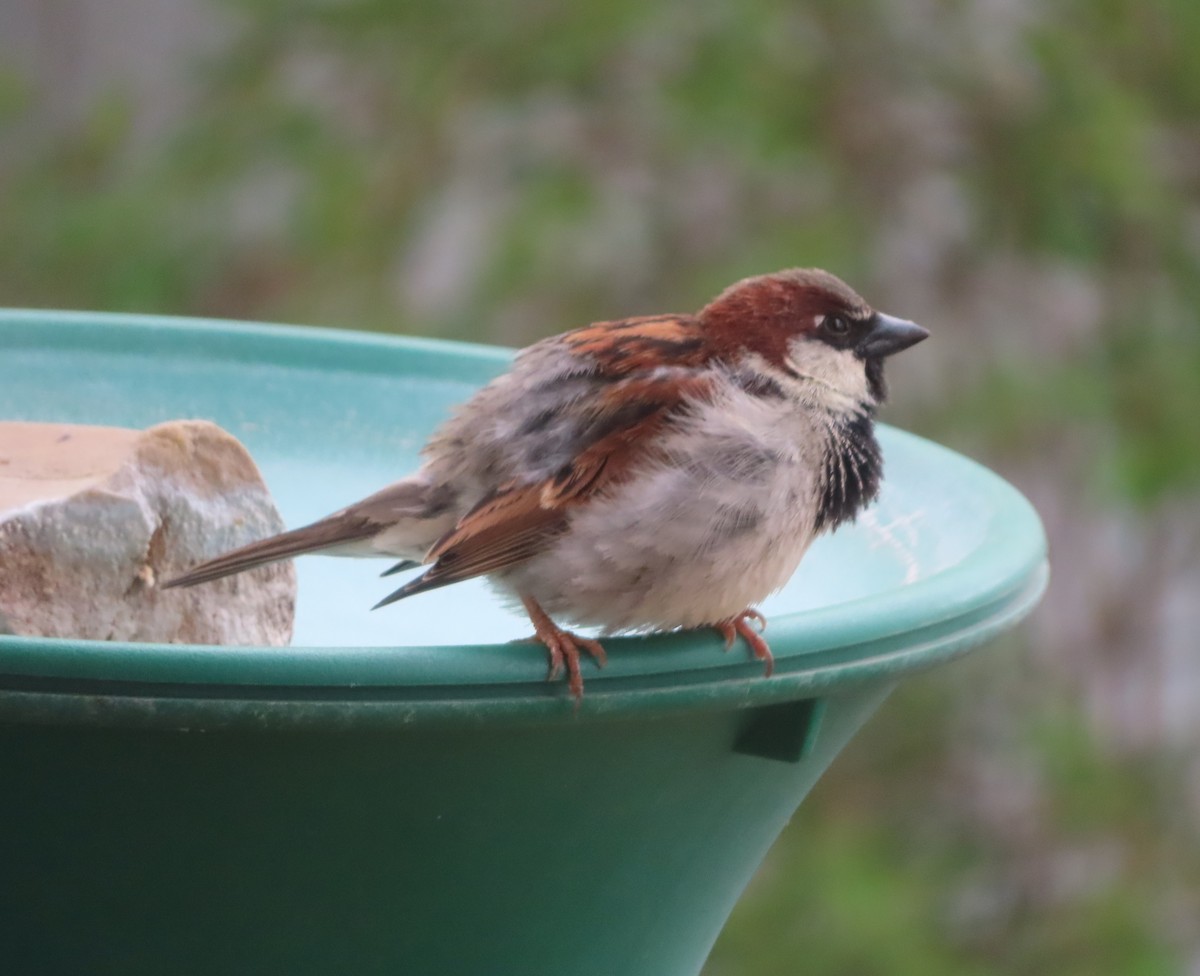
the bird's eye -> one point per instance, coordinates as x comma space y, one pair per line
837, 325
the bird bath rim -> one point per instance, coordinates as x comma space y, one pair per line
942, 615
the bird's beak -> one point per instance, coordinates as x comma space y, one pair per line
889, 335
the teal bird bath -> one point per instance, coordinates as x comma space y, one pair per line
402, 791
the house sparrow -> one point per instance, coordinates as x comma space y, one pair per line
646, 474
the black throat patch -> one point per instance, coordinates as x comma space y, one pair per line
853, 470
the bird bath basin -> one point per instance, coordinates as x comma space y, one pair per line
402, 791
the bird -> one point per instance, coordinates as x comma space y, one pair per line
638, 475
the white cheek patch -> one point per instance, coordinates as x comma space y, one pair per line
832, 376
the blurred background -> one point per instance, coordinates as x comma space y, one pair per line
1021, 176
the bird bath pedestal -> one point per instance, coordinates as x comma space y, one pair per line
402, 792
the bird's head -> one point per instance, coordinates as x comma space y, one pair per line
810, 333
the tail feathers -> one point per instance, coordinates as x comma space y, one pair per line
400, 567
414, 501
337, 530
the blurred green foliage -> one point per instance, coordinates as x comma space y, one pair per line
562, 163
1135, 398
325, 136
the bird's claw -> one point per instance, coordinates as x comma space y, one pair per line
739, 626
563, 648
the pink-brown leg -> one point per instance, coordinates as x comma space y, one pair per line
563, 647
739, 626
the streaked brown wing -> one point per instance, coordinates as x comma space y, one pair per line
628, 346
518, 521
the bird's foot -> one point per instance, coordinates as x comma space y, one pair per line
739, 626
563, 647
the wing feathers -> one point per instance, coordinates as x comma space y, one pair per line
498, 532
517, 522
641, 344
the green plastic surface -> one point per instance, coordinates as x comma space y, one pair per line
402, 791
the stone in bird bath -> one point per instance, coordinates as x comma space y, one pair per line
93, 518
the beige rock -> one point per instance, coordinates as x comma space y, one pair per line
91, 518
